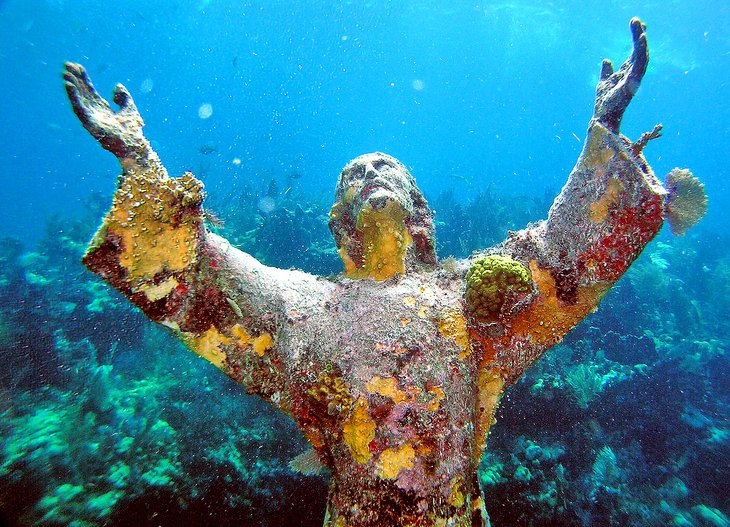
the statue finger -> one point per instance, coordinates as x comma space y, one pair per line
638, 28
72, 91
606, 69
84, 90
124, 99
640, 55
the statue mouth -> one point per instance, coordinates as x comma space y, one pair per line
377, 192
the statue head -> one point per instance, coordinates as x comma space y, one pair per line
380, 220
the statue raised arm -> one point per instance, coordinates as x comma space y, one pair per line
394, 369
154, 248
611, 206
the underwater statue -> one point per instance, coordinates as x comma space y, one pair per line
393, 369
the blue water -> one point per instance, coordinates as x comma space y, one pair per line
309, 85
471, 96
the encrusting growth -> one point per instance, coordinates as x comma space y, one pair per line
393, 370
492, 283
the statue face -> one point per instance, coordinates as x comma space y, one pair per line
377, 179
380, 220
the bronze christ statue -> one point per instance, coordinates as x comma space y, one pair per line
393, 369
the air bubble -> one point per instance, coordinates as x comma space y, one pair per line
147, 85
205, 110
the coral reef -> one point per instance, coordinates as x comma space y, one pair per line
584, 384
85, 450
662, 410
292, 234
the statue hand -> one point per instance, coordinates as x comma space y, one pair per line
120, 131
616, 89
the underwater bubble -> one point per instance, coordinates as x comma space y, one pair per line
418, 84
267, 204
146, 85
205, 110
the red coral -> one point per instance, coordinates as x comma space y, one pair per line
209, 308
630, 230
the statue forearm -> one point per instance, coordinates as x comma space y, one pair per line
224, 304
147, 246
610, 208
154, 248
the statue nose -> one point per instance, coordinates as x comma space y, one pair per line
370, 170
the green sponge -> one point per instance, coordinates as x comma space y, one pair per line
491, 281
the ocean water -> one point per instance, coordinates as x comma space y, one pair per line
107, 420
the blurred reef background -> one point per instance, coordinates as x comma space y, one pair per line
108, 420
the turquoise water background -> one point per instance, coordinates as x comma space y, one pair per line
466, 94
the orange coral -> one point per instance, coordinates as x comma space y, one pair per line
547, 320
610, 198
393, 460
151, 217
358, 431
